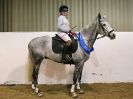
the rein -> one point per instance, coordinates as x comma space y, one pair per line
101, 37
96, 36
98, 33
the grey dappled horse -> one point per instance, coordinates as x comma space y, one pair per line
40, 48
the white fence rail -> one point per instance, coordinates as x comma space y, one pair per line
112, 61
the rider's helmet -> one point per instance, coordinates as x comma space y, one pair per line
63, 8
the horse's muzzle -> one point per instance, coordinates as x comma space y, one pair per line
112, 35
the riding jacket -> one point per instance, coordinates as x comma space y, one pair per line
63, 28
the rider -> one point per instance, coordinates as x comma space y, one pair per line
63, 29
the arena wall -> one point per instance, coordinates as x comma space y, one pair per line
110, 62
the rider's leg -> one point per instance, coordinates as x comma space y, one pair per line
69, 43
65, 56
64, 36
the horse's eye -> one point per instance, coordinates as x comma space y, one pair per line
104, 24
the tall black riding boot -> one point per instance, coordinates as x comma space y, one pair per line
65, 57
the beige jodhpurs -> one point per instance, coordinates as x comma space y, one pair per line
64, 36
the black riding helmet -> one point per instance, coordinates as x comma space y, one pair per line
63, 8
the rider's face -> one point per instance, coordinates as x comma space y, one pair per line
64, 13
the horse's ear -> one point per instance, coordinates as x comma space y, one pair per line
99, 15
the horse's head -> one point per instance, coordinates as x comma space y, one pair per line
105, 28
99, 26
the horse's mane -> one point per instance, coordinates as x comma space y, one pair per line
89, 28
89, 32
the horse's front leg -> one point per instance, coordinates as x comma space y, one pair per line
73, 87
81, 91
76, 76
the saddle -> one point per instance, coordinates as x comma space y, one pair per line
58, 45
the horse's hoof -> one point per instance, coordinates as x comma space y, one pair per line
74, 95
81, 91
40, 94
37, 90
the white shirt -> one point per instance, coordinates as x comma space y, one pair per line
63, 24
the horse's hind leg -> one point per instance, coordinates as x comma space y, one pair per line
35, 85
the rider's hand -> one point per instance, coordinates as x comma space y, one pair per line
70, 31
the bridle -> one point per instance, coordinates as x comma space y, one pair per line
96, 32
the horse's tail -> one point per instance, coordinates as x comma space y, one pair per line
30, 64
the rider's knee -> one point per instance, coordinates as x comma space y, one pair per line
69, 43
